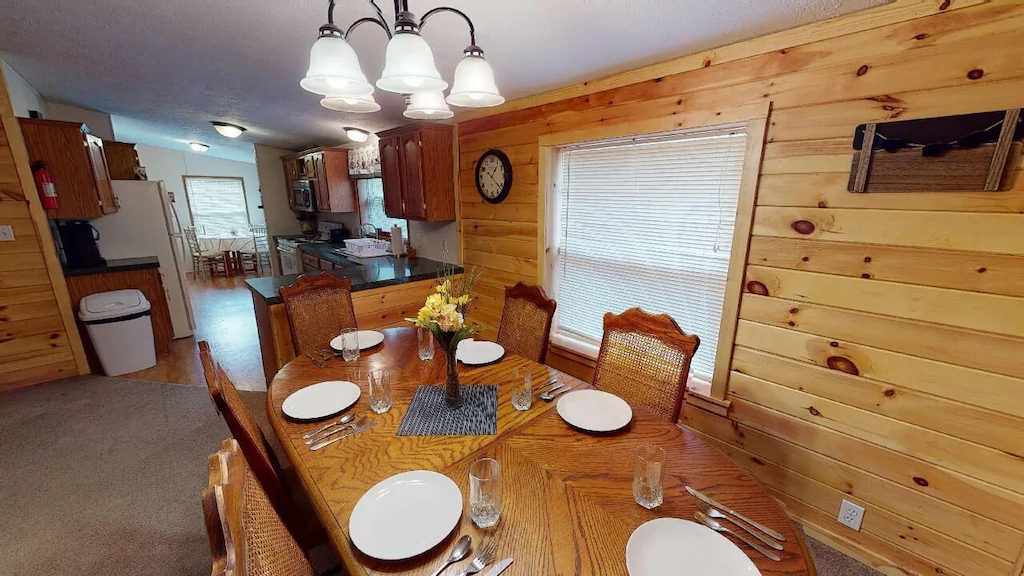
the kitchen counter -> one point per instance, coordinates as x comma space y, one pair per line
115, 265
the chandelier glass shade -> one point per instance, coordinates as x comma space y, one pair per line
358, 104
334, 68
409, 66
428, 106
474, 82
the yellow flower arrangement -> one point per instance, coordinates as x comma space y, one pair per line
444, 311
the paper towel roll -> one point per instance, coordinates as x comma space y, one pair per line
397, 244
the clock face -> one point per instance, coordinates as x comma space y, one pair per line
494, 176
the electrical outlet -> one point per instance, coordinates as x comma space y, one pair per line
6, 234
851, 515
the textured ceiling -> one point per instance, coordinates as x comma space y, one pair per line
165, 68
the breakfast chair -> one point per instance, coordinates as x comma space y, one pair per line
645, 359
319, 307
257, 258
247, 536
526, 321
204, 262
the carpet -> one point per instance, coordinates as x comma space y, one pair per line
102, 476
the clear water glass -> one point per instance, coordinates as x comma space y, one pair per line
649, 475
350, 344
380, 390
522, 388
485, 492
425, 340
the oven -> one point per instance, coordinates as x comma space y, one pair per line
302, 192
290, 260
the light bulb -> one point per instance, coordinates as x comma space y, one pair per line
337, 82
413, 82
475, 95
350, 101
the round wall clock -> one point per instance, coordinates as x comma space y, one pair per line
493, 176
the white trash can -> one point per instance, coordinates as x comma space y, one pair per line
121, 330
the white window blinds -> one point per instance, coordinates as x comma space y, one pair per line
218, 205
646, 223
371, 206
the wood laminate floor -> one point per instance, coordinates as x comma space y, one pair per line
225, 318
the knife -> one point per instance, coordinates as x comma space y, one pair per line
316, 447
727, 510
500, 567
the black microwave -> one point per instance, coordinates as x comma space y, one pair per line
302, 192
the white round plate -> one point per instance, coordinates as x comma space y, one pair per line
594, 410
667, 545
405, 515
320, 400
479, 352
367, 339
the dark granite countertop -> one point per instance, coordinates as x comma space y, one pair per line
116, 265
365, 273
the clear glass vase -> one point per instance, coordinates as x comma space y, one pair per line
452, 390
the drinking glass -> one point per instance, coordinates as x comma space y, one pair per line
648, 485
522, 388
380, 390
485, 492
350, 344
425, 339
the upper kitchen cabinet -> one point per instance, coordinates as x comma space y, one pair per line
77, 163
327, 170
122, 159
416, 164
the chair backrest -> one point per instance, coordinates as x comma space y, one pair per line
526, 321
247, 537
246, 431
319, 307
645, 359
259, 237
190, 233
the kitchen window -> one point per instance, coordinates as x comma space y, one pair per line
371, 207
645, 222
217, 204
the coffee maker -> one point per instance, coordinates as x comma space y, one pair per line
78, 246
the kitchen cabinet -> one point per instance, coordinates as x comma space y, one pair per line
78, 164
417, 168
310, 263
122, 159
327, 169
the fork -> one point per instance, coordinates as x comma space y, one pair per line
485, 557
550, 395
715, 513
326, 435
316, 362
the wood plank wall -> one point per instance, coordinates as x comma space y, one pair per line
35, 344
883, 365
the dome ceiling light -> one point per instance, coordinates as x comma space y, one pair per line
334, 71
198, 146
228, 130
357, 135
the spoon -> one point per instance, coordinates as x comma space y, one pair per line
344, 420
458, 553
717, 527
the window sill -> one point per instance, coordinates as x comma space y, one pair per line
703, 400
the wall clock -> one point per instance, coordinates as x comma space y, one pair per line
493, 176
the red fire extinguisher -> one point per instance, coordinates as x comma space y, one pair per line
45, 186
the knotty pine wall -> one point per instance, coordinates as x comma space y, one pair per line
920, 296
35, 345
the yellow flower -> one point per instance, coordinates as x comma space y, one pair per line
463, 300
449, 318
444, 287
434, 301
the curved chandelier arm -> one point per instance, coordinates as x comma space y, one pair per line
376, 21
472, 30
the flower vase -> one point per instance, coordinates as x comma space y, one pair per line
452, 390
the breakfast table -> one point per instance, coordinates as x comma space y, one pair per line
568, 504
230, 245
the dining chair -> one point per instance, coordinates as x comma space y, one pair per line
525, 325
645, 359
319, 307
257, 257
204, 262
247, 536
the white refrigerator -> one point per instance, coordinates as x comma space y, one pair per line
147, 225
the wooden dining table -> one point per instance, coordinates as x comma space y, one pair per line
568, 506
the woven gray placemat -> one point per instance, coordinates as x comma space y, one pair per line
430, 415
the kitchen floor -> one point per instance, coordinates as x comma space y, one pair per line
224, 318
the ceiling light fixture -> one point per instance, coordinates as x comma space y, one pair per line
427, 106
199, 146
357, 135
409, 67
228, 130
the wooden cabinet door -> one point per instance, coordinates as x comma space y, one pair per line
122, 159
412, 176
320, 187
291, 174
391, 174
332, 172
101, 174
62, 147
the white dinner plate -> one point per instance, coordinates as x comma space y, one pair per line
674, 546
594, 410
476, 352
367, 339
405, 515
320, 400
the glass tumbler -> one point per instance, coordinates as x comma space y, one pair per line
425, 339
485, 492
522, 388
380, 390
648, 477
350, 344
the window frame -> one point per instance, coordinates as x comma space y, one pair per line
383, 234
188, 197
754, 118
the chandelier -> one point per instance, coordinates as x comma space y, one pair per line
409, 69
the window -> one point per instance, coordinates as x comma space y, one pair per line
645, 222
371, 206
217, 204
